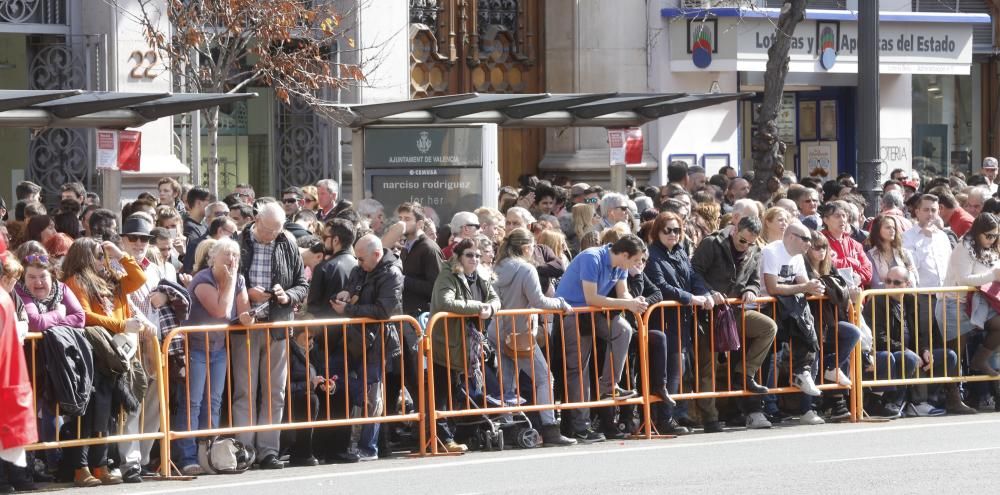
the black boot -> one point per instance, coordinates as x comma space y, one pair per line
552, 437
953, 403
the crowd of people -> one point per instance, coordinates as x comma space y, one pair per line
97, 289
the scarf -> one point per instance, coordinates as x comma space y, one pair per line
988, 257
49, 303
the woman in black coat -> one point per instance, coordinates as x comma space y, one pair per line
669, 270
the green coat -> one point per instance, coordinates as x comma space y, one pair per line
453, 295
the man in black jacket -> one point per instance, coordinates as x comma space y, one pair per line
421, 257
272, 267
330, 276
729, 262
374, 290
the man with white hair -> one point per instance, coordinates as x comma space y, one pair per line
891, 204
976, 199
615, 209
464, 225
373, 211
272, 266
374, 290
990, 172
326, 198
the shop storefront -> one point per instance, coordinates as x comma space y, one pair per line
929, 88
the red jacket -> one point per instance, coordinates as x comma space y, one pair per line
960, 221
849, 253
17, 425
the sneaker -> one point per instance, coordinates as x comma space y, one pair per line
811, 418
619, 394
453, 447
757, 421
836, 375
614, 434
671, 427
804, 382
364, 457
192, 470
878, 409
839, 412
921, 410
589, 436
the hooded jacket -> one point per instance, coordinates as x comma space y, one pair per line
452, 294
379, 295
713, 261
518, 287
69, 364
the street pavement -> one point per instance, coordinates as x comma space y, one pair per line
925, 455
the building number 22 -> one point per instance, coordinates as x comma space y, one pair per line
143, 64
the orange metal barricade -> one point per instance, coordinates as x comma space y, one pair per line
922, 304
724, 386
349, 344
146, 352
458, 402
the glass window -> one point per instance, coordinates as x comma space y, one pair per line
942, 124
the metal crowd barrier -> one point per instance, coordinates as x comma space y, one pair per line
921, 319
146, 353
463, 402
349, 344
724, 386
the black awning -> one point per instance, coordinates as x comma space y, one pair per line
530, 110
13, 99
106, 109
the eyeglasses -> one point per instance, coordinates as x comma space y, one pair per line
990, 237
473, 225
894, 283
672, 230
475, 256
625, 208
220, 213
290, 201
36, 258
137, 238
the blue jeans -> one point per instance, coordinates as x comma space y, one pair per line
198, 376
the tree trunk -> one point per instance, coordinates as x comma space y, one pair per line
768, 150
213, 150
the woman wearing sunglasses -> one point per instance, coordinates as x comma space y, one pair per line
975, 262
102, 293
669, 269
458, 342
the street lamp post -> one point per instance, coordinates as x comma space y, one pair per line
869, 159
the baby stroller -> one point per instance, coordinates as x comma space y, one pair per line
489, 431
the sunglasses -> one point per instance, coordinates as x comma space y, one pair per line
592, 201
804, 238
818, 248
289, 201
894, 283
743, 241
472, 255
137, 238
473, 225
310, 200
625, 208
674, 231
36, 258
